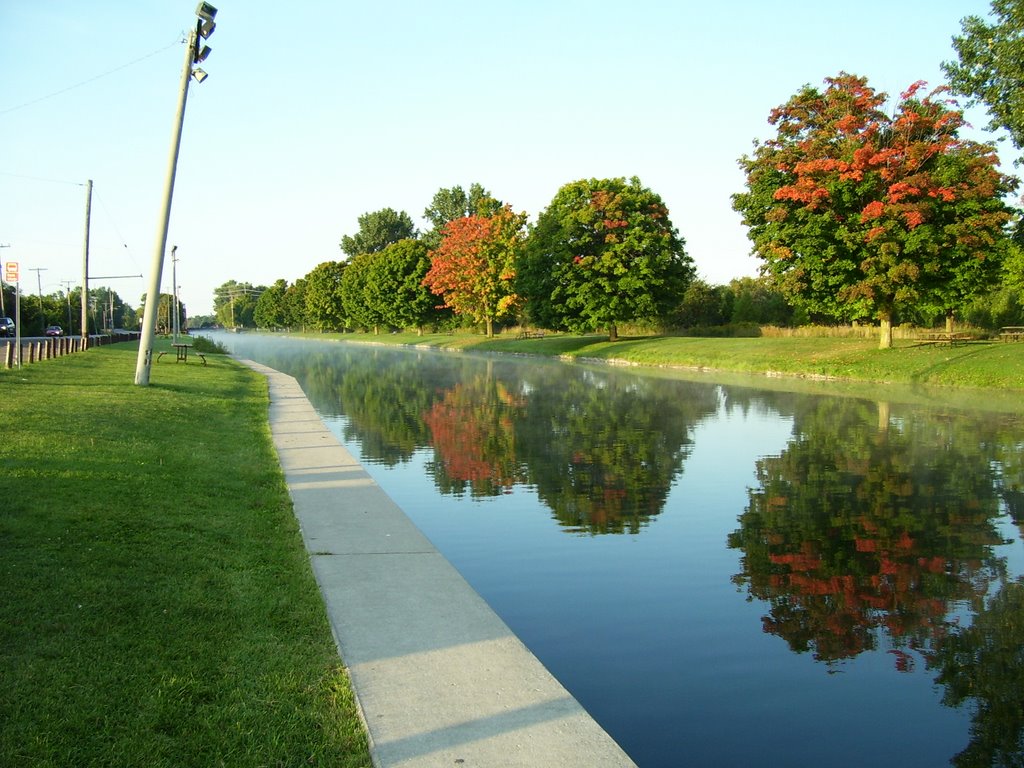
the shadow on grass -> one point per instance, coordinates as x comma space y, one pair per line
952, 362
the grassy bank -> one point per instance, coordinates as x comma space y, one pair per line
982, 364
159, 608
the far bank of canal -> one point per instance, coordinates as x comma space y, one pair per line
722, 574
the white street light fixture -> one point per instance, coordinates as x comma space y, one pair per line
203, 28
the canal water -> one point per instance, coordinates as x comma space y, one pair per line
724, 572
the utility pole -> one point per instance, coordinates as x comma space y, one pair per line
67, 291
85, 265
39, 284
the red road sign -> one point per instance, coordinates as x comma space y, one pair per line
11, 271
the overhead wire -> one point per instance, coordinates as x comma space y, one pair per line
15, 108
113, 223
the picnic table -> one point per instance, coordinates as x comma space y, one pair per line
181, 353
944, 337
1011, 332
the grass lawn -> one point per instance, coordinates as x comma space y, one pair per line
158, 605
979, 364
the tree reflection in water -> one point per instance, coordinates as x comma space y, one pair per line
857, 536
983, 664
601, 449
601, 454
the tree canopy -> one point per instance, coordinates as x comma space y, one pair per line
474, 266
603, 252
270, 311
396, 287
856, 214
990, 66
234, 304
378, 230
322, 295
455, 203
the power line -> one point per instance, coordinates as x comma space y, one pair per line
40, 178
93, 79
113, 223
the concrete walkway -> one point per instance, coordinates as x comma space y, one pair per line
441, 680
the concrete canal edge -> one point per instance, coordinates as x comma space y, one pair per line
439, 677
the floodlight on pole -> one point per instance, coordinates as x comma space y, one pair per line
205, 13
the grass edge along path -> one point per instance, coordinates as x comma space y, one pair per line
159, 607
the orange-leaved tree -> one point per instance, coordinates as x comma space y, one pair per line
473, 267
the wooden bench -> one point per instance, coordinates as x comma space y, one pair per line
530, 335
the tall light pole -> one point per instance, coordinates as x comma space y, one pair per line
193, 55
174, 288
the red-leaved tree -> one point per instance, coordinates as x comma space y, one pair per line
473, 267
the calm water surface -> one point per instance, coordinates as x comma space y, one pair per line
723, 575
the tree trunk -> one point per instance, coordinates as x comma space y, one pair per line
885, 337
613, 332
490, 328
949, 321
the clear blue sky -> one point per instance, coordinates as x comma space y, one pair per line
317, 112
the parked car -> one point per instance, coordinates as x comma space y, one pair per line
6, 326
54, 330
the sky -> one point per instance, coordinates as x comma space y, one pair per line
315, 113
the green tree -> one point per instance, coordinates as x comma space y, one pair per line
456, 203
857, 214
701, 305
295, 304
990, 66
322, 296
756, 300
395, 285
474, 267
603, 252
271, 311
234, 304
378, 230
100, 300
355, 284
